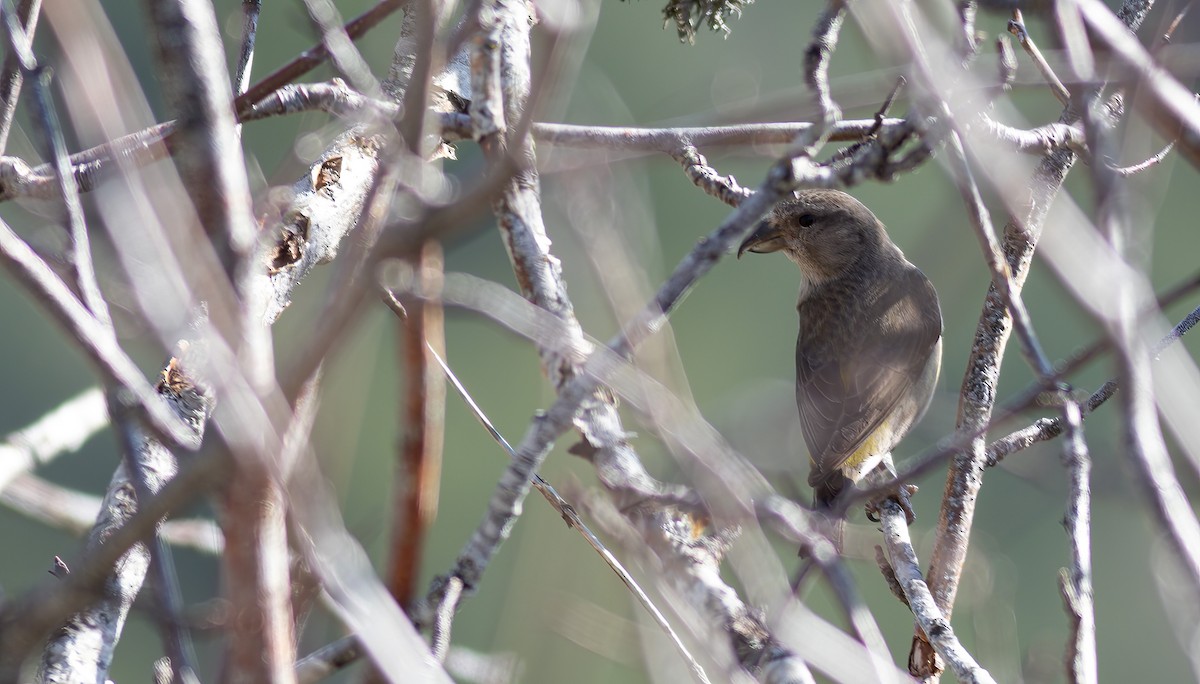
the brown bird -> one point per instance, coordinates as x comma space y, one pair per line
870, 344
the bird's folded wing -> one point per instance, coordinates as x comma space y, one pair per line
846, 393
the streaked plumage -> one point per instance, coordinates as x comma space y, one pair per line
869, 348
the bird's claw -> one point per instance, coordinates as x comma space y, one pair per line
902, 495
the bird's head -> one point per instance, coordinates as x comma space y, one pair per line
823, 231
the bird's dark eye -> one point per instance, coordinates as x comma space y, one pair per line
807, 220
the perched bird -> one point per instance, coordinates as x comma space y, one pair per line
870, 343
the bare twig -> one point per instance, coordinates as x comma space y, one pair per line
1017, 27
1049, 428
564, 509
964, 479
1076, 584
724, 188
1170, 107
326, 660
1148, 163
25, 621
97, 342
817, 57
250, 12
65, 429
419, 461
12, 78
908, 574
197, 89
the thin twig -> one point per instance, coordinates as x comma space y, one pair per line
564, 509
1171, 108
1049, 428
250, 12
439, 639
343, 55
1017, 27
419, 457
25, 621
10, 82
98, 343
1150, 162
817, 57
76, 512
1075, 584
724, 188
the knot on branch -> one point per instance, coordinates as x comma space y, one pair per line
181, 386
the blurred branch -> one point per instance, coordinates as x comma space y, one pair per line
208, 156
25, 621
191, 63
314, 56
143, 147
430, 296
345, 58
418, 467
98, 343
1041, 140
13, 76
17, 179
327, 660
1150, 162
76, 512
1171, 109
978, 395
1049, 428
43, 114
62, 430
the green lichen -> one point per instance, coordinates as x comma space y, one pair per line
690, 15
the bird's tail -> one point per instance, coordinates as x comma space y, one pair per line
825, 494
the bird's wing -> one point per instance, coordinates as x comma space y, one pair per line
845, 392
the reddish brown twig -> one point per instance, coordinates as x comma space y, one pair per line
419, 463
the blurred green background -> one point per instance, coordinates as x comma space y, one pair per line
547, 598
